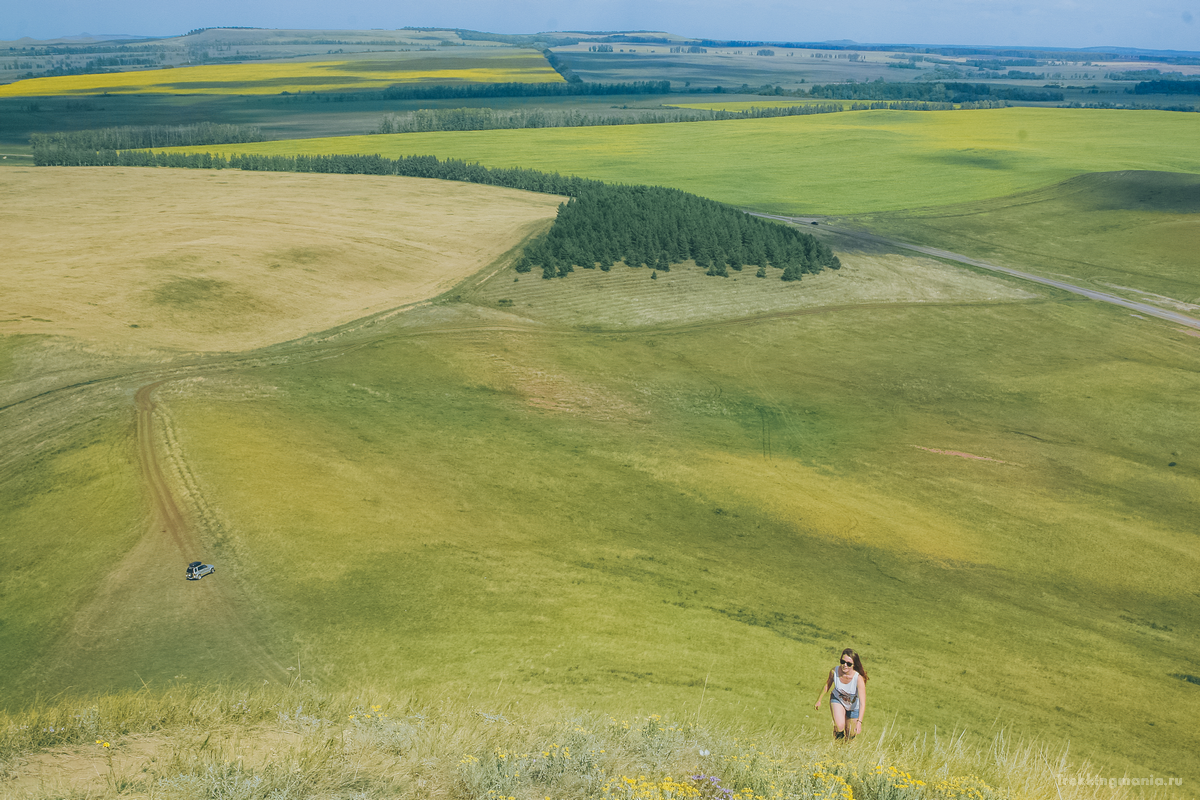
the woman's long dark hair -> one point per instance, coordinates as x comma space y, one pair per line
858, 667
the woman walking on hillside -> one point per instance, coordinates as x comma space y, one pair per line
848, 701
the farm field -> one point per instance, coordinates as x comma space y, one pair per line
739, 68
278, 117
733, 67
844, 163
728, 68
30, 58
303, 75
185, 260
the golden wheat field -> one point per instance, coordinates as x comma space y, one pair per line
229, 260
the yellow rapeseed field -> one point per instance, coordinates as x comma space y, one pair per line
297, 76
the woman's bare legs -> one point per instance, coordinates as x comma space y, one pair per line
838, 711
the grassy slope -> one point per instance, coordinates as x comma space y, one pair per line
852, 162
1132, 229
590, 517
70, 508
642, 456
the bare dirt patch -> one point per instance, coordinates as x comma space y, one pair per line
197, 260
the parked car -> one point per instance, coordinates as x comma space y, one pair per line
197, 570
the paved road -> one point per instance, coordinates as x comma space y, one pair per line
1104, 297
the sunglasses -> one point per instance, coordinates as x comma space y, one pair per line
847, 663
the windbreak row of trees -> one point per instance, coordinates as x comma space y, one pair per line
410, 166
405, 91
649, 226
481, 119
930, 92
130, 137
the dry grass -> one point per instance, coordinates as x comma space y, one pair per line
283, 742
143, 259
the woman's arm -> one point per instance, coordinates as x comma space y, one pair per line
862, 705
828, 683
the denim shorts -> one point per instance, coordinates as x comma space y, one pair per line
852, 711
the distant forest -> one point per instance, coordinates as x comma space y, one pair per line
600, 225
1167, 87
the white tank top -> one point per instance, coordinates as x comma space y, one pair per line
845, 692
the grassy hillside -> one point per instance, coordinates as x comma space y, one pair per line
845, 163
468, 501
630, 495
1136, 233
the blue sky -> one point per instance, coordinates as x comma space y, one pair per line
1153, 24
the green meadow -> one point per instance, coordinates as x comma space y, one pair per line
845, 163
470, 502
1135, 233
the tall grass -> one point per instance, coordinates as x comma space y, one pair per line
191, 741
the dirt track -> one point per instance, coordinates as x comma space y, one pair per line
1091, 294
171, 529
147, 620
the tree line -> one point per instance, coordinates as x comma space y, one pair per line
947, 92
655, 227
1167, 87
475, 90
478, 119
409, 166
135, 137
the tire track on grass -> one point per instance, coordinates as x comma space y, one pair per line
1091, 294
168, 517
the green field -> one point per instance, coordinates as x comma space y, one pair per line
846, 163
1135, 233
